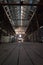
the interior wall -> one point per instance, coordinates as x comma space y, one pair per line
5, 38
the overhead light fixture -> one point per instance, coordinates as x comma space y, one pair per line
20, 36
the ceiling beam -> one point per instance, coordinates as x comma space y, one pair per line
22, 4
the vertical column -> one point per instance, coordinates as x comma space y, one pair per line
0, 36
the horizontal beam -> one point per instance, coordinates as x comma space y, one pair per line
20, 26
20, 19
22, 4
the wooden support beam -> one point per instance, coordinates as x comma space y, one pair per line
22, 4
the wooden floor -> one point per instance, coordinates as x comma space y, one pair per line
26, 53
